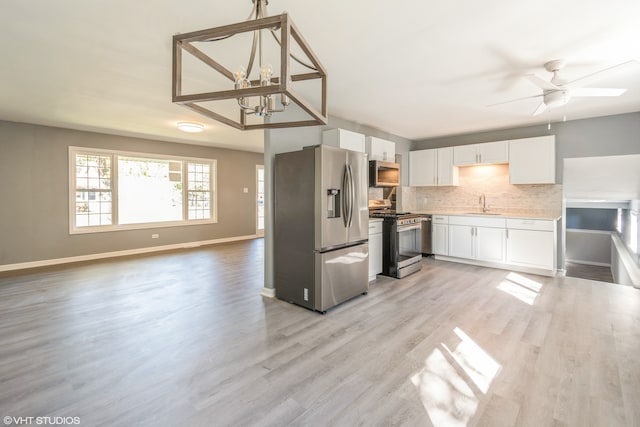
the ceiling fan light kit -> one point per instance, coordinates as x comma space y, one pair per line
265, 94
557, 92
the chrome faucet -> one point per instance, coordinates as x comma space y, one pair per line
483, 201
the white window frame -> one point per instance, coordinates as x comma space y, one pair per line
73, 151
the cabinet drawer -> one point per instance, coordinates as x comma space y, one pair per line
440, 219
375, 227
531, 224
478, 221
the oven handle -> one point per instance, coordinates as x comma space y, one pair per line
409, 228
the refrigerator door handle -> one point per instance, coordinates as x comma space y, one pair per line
345, 198
352, 194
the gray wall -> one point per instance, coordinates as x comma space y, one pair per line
283, 140
601, 136
34, 194
592, 219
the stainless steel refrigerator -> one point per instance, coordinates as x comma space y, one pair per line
321, 226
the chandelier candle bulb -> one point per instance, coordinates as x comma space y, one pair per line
266, 71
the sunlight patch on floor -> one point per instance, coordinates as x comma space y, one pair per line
446, 396
475, 362
445, 384
520, 287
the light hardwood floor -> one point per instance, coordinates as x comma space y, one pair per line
185, 339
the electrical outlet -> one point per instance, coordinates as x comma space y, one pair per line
245, 189
155, 236
306, 294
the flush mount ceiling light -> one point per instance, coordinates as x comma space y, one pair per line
258, 90
190, 127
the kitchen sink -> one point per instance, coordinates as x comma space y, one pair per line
482, 213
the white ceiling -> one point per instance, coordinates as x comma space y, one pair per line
415, 68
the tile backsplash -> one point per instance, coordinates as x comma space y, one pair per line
491, 180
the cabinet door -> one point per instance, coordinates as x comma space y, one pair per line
375, 255
388, 151
344, 139
464, 155
440, 239
494, 152
532, 160
447, 173
490, 244
380, 149
422, 168
461, 241
531, 248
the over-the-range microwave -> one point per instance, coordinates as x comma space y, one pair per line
383, 174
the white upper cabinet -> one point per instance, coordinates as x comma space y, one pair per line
344, 139
464, 155
380, 149
447, 174
428, 168
532, 160
423, 168
494, 152
475, 154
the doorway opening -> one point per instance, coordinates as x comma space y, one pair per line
260, 200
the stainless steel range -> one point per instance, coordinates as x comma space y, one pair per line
401, 242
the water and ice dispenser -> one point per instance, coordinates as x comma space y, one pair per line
333, 203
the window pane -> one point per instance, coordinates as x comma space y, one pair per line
93, 172
148, 190
199, 186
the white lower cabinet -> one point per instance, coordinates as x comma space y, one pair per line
490, 244
531, 243
479, 243
461, 241
440, 234
508, 241
375, 249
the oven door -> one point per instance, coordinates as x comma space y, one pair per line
409, 244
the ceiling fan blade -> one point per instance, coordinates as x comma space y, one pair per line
596, 91
541, 109
541, 83
514, 100
619, 67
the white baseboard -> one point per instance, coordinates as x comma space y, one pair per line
268, 292
127, 252
511, 267
583, 262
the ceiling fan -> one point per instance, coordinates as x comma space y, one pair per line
558, 91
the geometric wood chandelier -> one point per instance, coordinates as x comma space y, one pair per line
260, 96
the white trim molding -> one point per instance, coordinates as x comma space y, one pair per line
127, 252
624, 268
268, 292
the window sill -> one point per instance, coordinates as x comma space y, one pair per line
130, 227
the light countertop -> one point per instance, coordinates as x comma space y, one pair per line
510, 215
